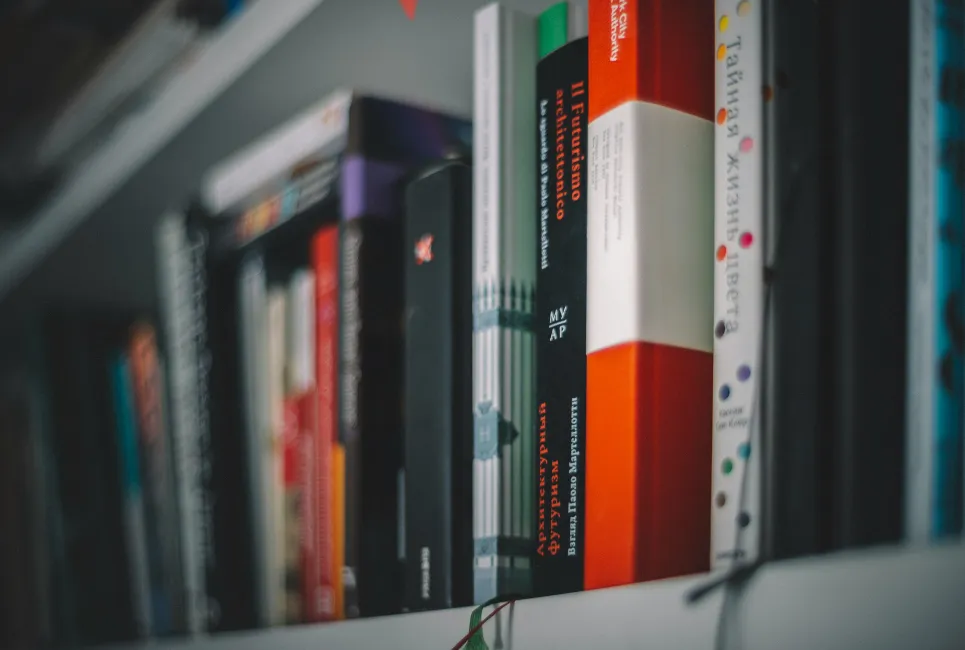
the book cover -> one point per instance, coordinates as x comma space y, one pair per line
562, 112
147, 379
504, 288
936, 380
649, 290
181, 288
738, 281
135, 537
328, 579
438, 397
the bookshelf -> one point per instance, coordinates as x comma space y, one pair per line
276, 59
137, 141
885, 599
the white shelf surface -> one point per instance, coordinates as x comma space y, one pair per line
138, 139
885, 599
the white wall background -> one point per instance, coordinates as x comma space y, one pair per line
365, 44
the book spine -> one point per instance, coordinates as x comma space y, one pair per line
649, 290
949, 307
262, 168
135, 537
161, 513
504, 278
273, 457
328, 583
922, 243
438, 407
253, 352
738, 281
936, 393
181, 288
562, 103
370, 405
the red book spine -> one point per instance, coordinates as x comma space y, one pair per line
295, 525
324, 583
649, 290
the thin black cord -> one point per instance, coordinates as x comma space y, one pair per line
740, 573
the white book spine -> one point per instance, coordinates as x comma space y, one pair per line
274, 488
176, 290
504, 232
922, 251
321, 130
738, 282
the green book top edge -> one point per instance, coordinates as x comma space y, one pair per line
553, 28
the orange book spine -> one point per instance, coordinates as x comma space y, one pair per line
327, 600
649, 290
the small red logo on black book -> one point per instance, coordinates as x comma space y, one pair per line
423, 250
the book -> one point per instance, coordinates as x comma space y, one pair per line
148, 379
135, 538
649, 290
834, 387
327, 581
504, 279
562, 110
936, 378
438, 398
180, 288
739, 242
253, 352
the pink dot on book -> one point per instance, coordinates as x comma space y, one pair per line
746, 240
747, 144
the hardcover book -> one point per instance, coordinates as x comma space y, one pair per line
649, 290
562, 112
438, 395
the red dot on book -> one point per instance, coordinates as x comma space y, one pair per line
721, 252
747, 144
721, 52
721, 115
768, 93
746, 240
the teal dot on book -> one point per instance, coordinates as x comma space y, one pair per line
744, 450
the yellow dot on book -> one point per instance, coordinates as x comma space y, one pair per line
743, 8
721, 52
722, 24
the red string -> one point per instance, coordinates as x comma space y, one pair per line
464, 640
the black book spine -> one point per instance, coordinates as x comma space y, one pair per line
224, 487
370, 411
438, 398
561, 95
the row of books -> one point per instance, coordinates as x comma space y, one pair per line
416, 362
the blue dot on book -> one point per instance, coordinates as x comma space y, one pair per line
743, 373
724, 392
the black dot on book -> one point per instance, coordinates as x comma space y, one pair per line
743, 520
719, 330
720, 499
